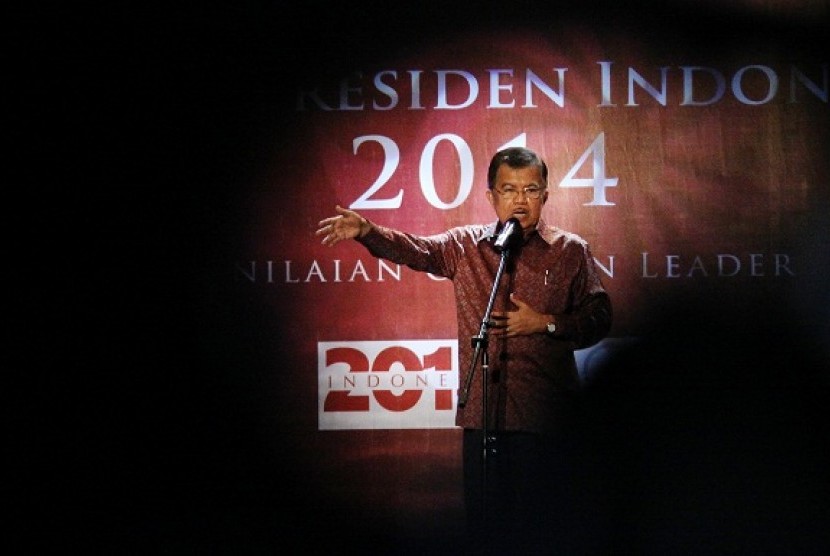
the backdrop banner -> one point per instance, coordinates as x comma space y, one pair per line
690, 173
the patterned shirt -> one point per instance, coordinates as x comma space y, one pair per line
554, 272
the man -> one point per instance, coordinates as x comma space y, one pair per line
550, 301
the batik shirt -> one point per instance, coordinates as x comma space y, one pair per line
554, 272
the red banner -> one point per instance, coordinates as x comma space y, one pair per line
687, 175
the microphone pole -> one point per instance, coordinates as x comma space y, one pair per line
480, 341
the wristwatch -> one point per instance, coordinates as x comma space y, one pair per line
550, 327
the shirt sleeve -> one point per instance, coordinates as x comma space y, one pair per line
591, 315
437, 254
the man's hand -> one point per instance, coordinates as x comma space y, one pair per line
522, 322
346, 225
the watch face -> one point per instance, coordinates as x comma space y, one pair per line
551, 327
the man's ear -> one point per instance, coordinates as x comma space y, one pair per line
490, 199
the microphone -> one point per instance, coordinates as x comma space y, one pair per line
509, 235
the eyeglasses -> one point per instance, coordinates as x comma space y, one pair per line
510, 193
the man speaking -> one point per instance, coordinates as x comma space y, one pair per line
549, 301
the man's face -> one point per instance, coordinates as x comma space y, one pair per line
525, 209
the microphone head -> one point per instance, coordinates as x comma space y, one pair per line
509, 235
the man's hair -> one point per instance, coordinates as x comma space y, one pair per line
515, 157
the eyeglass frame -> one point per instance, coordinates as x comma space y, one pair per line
514, 193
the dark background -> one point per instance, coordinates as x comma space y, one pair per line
142, 415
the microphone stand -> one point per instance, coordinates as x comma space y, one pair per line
480, 343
